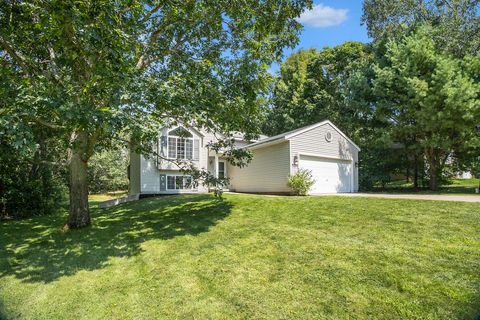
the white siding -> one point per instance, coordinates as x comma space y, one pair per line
313, 142
268, 171
149, 176
355, 170
209, 137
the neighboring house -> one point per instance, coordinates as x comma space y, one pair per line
322, 148
464, 175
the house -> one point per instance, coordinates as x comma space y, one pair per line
322, 148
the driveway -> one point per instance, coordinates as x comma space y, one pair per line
437, 197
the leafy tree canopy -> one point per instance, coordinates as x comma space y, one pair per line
456, 22
313, 86
97, 70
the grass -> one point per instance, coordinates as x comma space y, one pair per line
184, 257
456, 187
95, 198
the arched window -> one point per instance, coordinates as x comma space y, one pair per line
181, 144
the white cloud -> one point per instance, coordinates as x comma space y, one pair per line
321, 16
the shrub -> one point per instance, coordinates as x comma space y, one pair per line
301, 182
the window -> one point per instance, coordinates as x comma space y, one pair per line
189, 149
172, 147
187, 182
180, 132
171, 182
178, 182
181, 148
181, 145
221, 169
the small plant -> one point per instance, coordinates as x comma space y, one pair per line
301, 182
218, 192
217, 185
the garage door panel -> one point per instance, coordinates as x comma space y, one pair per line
330, 175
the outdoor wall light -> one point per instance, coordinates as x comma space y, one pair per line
295, 160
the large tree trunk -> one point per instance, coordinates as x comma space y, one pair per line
434, 168
433, 183
79, 212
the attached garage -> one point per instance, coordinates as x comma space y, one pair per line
330, 175
321, 148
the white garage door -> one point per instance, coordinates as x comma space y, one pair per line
331, 175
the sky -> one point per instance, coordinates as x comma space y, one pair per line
329, 23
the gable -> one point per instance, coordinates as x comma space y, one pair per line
180, 132
322, 140
317, 125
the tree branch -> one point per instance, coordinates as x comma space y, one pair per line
54, 68
92, 140
23, 62
48, 124
151, 13
42, 122
15, 55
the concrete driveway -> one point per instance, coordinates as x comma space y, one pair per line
436, 197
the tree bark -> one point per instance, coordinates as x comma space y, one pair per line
415, 172
79, 211
433, 169
433, 183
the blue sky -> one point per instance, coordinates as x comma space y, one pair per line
330, 23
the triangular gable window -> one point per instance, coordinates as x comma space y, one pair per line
180, 132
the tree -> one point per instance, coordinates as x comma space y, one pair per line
456, 22
30, 181
94, 71
429, 98
288, 102
107, 171
313, 86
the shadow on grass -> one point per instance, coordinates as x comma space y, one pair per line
36, 250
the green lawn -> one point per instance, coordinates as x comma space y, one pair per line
247, 257
455, 186
95, 198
